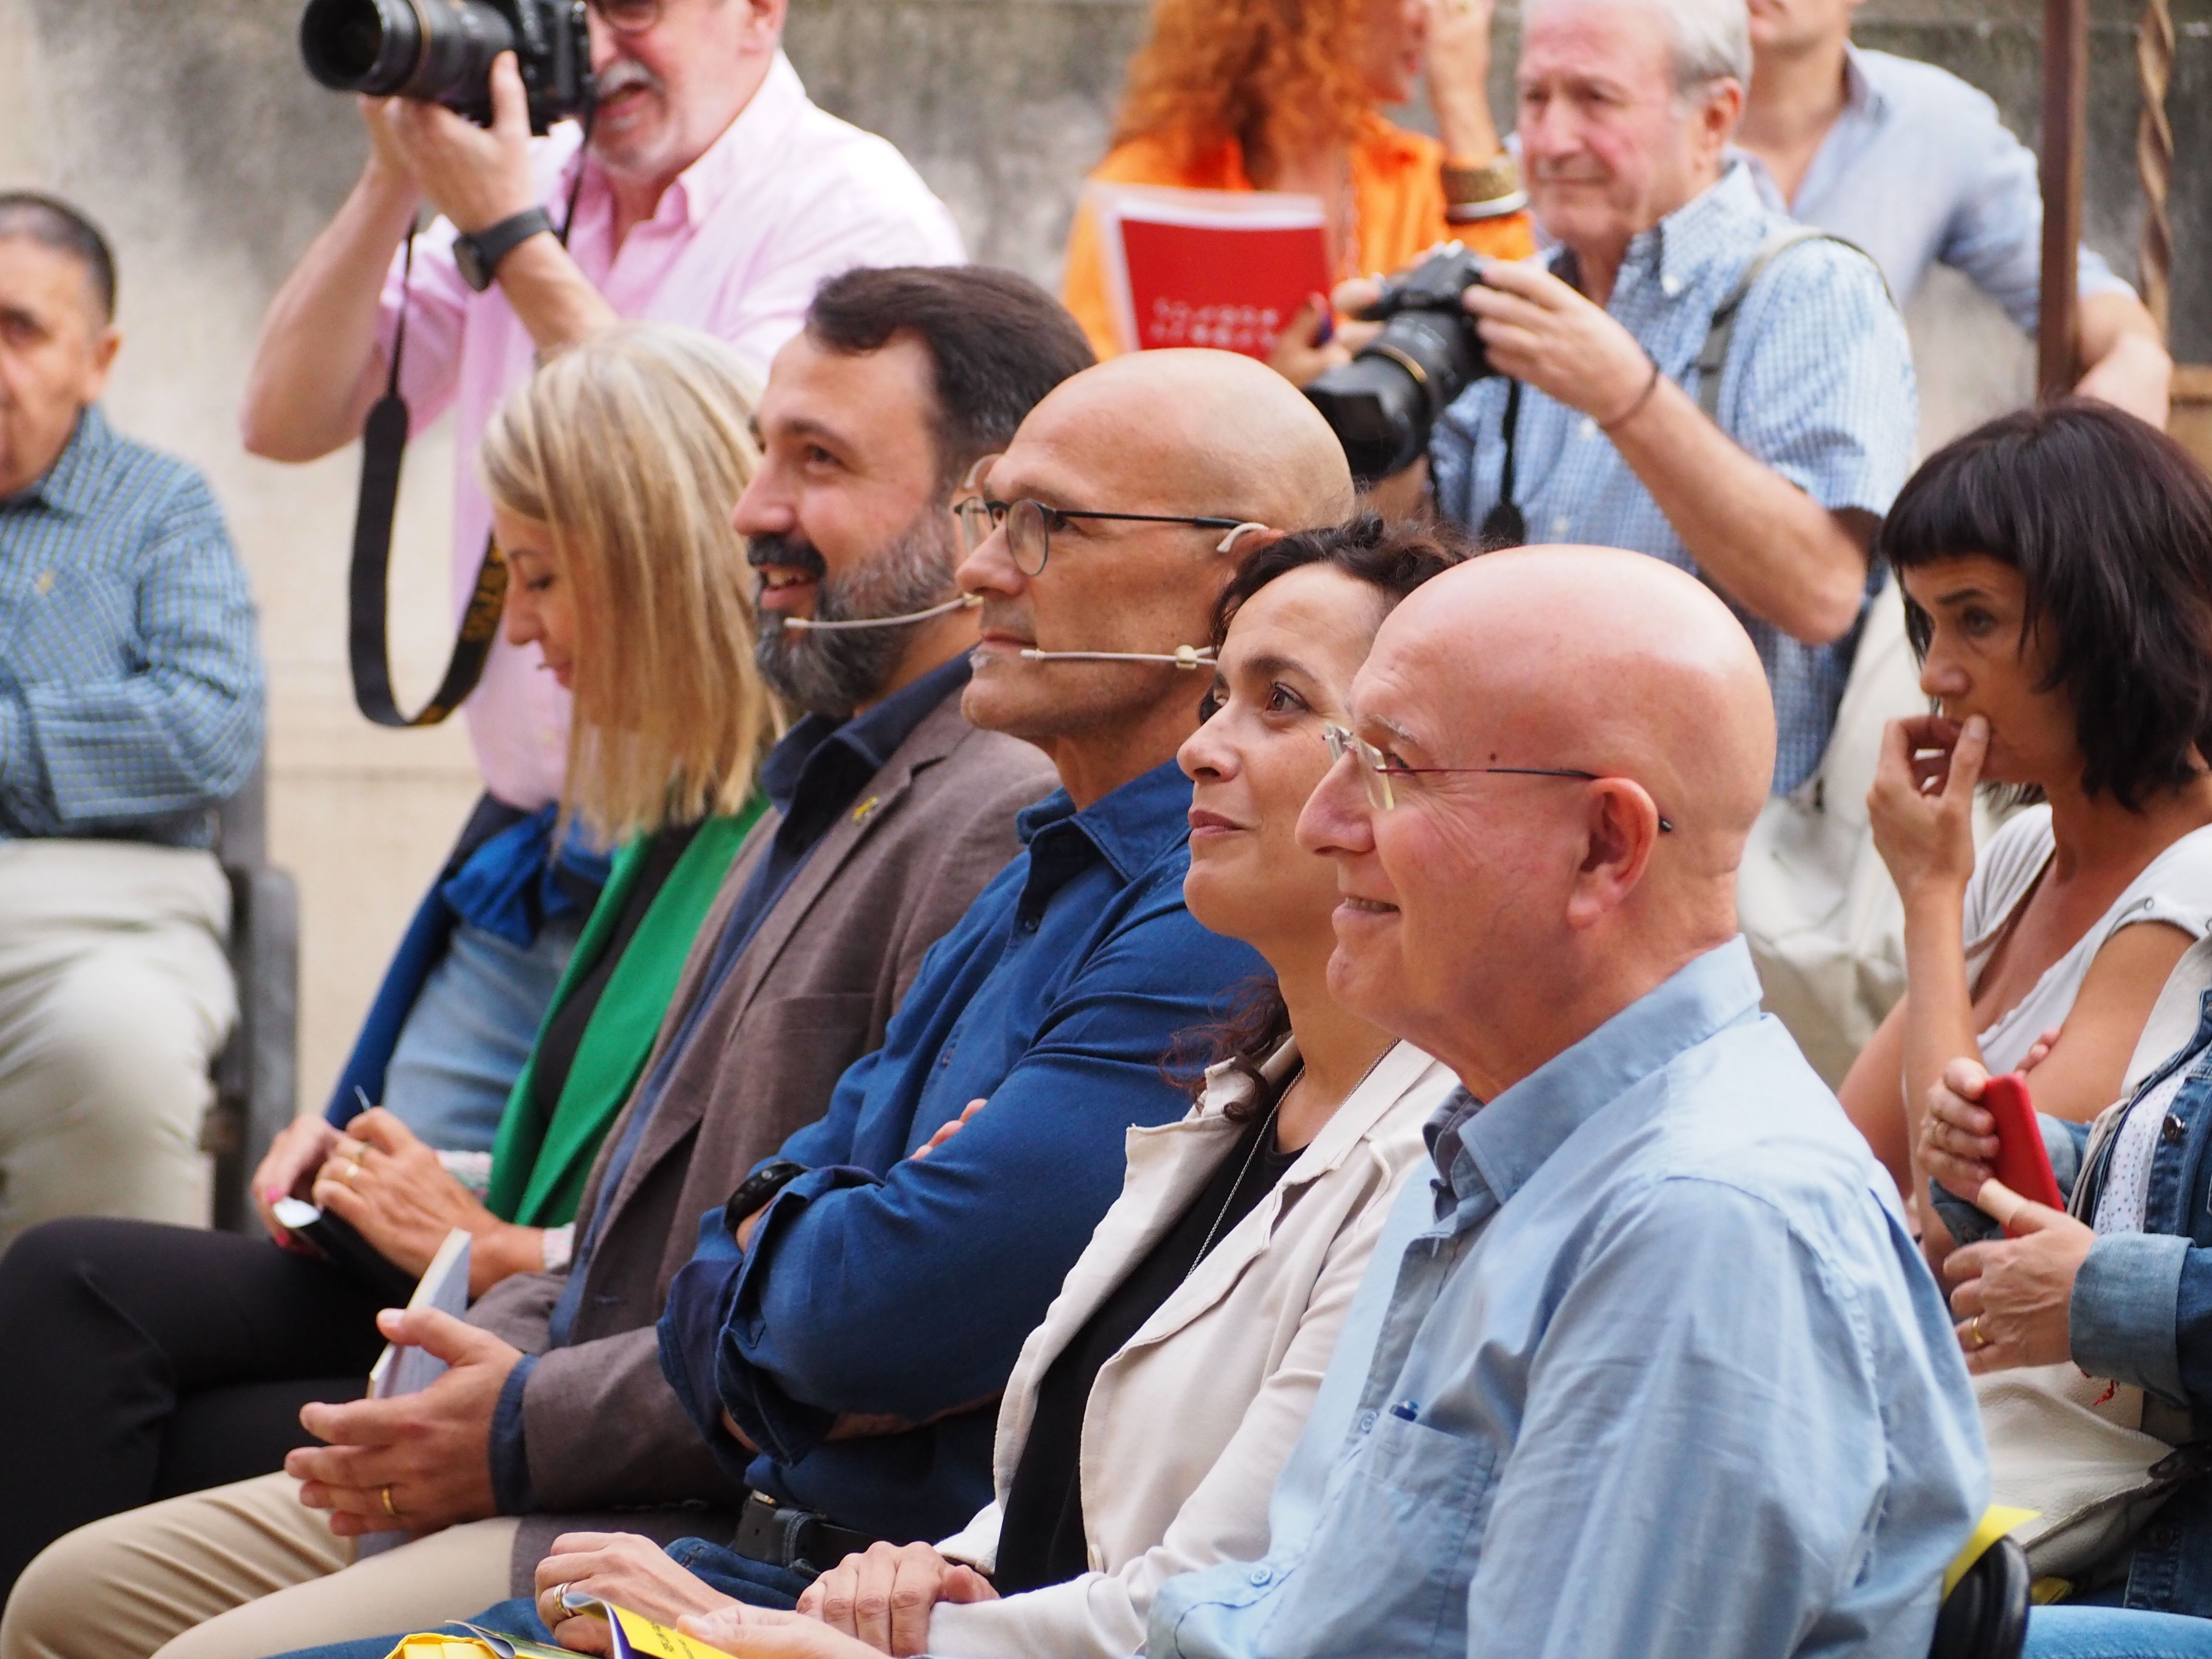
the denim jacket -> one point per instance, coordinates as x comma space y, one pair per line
2142, 1307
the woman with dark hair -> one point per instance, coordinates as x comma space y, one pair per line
1146, 1418
2056, 567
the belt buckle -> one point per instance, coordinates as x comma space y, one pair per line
773, 1532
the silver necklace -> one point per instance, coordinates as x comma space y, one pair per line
1265, 1138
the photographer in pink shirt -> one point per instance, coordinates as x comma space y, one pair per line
713, 193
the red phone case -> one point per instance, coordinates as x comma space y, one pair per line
2022, 1163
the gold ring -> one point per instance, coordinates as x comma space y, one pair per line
1981, 1337
388, 1508
559, 1594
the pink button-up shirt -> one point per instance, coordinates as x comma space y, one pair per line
785, 198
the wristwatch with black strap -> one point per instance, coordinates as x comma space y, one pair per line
754, 1191
478, 256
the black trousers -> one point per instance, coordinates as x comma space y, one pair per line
144, 1361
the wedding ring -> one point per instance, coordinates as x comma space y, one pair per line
1981, 1337
559, 1594
388, 1508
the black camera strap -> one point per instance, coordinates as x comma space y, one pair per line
383, 448
1506, 526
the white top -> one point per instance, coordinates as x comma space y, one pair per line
2175, 887
1188, 1426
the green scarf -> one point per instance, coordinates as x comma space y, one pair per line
540, 1162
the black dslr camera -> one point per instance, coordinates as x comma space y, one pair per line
1382, 403
440, 50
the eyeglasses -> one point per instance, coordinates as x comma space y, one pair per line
1379, 771
628, 16
1031, 524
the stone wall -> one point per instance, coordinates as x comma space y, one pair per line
188, 129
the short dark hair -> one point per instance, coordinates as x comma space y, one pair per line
2109, 522
1395, 557
997, 341
52, 222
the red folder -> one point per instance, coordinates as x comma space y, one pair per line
1216, 267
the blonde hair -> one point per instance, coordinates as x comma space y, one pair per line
632, 448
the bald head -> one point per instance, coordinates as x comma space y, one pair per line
1591, 737
1617, 660
1168, 437
1201, 427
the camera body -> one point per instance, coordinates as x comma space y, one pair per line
441, 50
1384, 403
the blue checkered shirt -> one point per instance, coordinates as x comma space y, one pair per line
1817, 386
131, 683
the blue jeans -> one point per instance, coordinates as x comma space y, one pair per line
470, 1032
2091, 1632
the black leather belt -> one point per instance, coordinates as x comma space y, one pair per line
794, 1538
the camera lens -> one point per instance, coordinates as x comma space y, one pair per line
361, 46
434, 49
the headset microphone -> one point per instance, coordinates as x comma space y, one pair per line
1183, 656
965, 601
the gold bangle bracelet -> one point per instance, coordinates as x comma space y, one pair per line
1470, 186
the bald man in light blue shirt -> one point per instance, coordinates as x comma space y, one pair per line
1910, 163
1649, 1367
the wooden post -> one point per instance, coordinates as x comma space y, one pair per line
2065, 105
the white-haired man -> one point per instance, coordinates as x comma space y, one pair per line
1593, 430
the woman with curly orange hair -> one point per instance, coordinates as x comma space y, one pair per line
1282, 95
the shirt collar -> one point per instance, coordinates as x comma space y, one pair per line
1131, 827
871, 738
1716, 223
1862, 97
1507, 1141
744, 154
70, 485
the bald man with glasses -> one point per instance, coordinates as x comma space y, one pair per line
1650, 1367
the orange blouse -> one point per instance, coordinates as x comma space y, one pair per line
1397, 186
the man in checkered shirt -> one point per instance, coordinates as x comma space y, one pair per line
131, 689
1626, 109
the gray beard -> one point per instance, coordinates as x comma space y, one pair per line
835, 674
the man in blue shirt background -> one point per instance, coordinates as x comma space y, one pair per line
1651, 1366
1910, 163
1767, 477
131, 707
845, 1345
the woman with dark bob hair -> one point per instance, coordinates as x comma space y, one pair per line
2056, 566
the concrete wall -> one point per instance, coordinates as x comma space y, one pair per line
188, 129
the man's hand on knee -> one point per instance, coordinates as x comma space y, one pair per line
419, 1462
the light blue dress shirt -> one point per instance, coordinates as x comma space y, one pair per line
1817, 386
1919, 170
1653, 1370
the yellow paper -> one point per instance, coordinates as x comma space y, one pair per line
641, 1637
1997, 1522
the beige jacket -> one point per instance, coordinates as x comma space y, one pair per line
1188, 1424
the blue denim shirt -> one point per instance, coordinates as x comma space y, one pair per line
1653, 1370
881, 1285
2141, 1307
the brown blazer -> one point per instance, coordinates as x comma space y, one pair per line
609, 1447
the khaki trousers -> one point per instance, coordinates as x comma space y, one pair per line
241, 1572
114, 996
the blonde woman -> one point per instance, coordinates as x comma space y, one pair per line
178, 1360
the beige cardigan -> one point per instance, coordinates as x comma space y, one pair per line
1188, 1424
